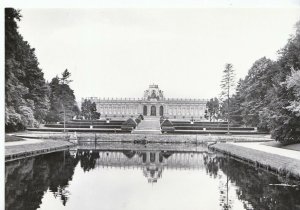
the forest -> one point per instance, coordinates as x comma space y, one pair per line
29, 99
268, 97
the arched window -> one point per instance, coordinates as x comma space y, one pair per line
161, 111
153, 111
145, 110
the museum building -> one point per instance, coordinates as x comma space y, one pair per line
153, 103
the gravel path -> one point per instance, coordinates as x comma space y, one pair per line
270, 149
279, 163
22, 142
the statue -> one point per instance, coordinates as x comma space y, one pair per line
153, 95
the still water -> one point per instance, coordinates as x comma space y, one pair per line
135, 177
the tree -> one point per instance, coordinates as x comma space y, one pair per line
236, 107
213, 108
95, 115
257, 91
26, 92
268, 97
227, 84
65, 77
62, 99
89, 110
285, 121
293, 83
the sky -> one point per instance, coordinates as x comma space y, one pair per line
118, 52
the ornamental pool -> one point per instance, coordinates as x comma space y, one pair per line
134, 177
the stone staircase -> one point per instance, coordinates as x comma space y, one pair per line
150, 125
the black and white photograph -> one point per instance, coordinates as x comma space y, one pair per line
139, 105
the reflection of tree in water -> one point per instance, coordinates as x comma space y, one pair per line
211, 165
87, 159
253, 185
27, 180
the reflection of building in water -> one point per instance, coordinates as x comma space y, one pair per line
151, 162
153, 165
153, 103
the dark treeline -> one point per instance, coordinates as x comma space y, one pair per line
269, 96
27, 180
29, 99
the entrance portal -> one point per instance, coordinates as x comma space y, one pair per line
153, 111
161, 111
145, 111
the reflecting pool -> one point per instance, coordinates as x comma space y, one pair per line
153, 176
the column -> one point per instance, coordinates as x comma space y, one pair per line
148, 110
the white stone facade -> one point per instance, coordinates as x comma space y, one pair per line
152, 104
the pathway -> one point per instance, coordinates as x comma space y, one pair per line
273, 150
282, 161
25, 141
148, 126
31, 147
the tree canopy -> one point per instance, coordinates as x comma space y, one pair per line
268, 97
213, 108
26, 92
29, 99
62, 99
89, 110
227, 85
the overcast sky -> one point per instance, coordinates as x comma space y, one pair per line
119, 52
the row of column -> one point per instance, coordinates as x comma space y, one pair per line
185, 110
117, 109
138, 109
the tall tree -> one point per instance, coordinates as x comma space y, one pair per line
26, 92
293, 84
285, 121
62, 99
236, 107
269, 94
227, 85
257, 91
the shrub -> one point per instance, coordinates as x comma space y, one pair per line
137, 120
129, 124
167, 123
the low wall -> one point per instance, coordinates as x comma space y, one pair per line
167, 138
